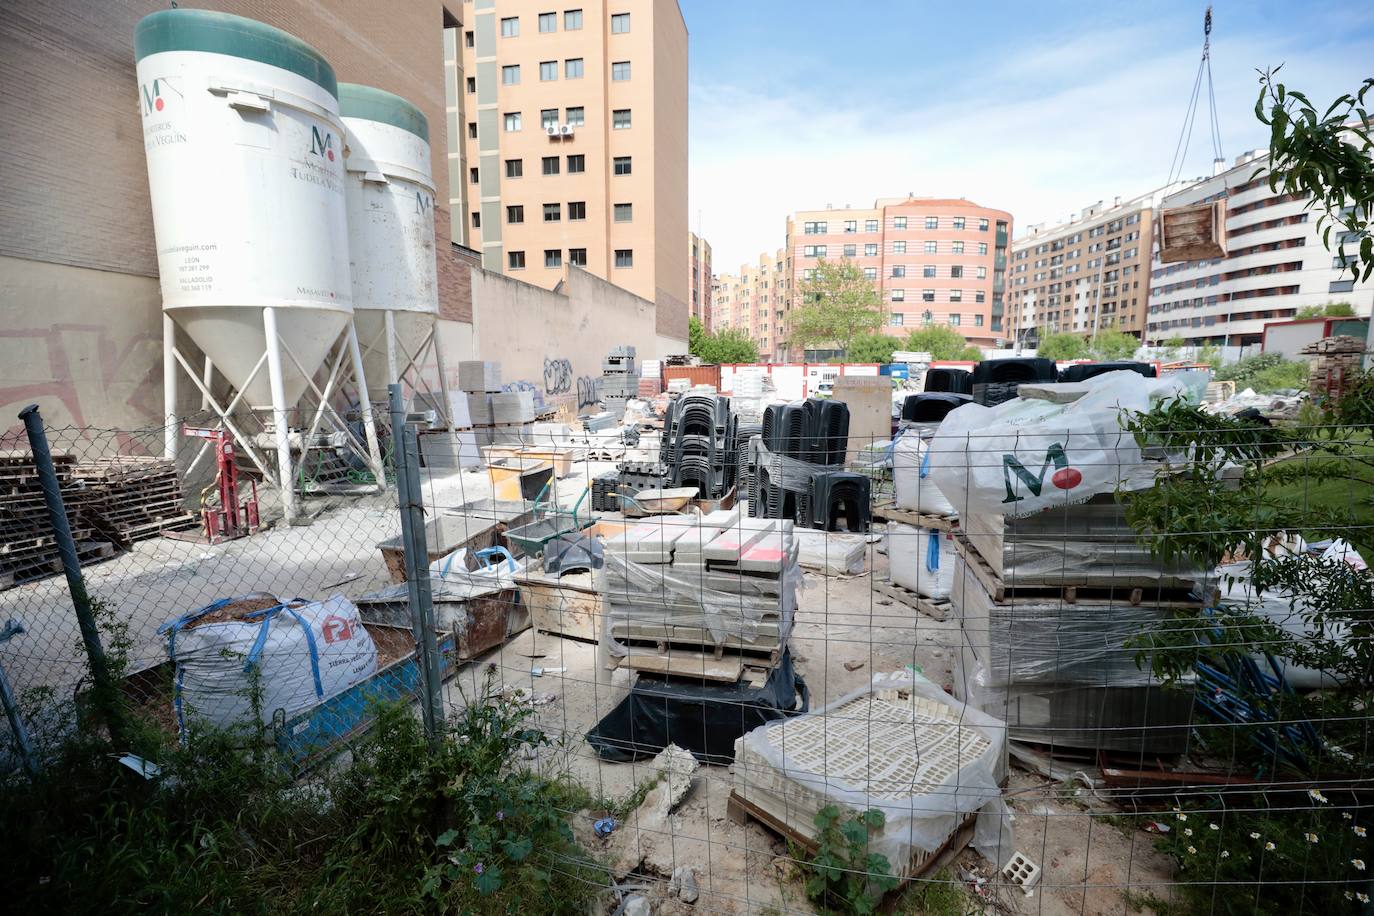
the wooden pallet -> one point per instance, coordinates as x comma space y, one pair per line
935, 610
888, 511
1001, 593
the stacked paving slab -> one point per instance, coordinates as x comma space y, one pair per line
619, 380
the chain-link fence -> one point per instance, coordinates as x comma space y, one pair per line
1150, 700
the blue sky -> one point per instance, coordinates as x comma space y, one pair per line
1036, 108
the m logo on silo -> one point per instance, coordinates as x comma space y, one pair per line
1064, 477
322, 144
152, 94
422, 203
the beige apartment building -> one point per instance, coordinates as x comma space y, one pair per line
755, 302
699, 289
569, 126
935, 261
1087, 274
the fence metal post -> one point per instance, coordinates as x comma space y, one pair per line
410, 499
71, 564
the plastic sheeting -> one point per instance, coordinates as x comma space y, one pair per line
790, 473
920, 559
831, 553
911, 476
700, 716
1023, 456
927, 818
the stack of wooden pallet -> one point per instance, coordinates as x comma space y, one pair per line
133, 497
28, 547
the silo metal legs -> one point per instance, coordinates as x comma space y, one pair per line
280, 418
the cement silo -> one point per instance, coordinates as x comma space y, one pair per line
389, 189
245, 169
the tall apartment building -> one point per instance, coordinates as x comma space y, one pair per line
1275, 264
1085, 274
754, 301
699, 279
572, 121
933, 260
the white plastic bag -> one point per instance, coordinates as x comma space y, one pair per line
915, 489
920, 559
285, 658
1025, 455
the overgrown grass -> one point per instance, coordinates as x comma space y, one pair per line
940, 894
463, 827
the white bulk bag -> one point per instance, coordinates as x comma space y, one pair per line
920, 559
915, 488
290, 657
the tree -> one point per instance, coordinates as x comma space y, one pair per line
1330, 310
942, 343
1325, 158
872, 348
1113, 345
729, 345
838, 305
1062, 346
696, 335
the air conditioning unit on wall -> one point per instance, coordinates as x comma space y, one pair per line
566, 130
551, 130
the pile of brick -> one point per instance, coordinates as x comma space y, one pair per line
1335, 364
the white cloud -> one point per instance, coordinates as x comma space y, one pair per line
1040, 134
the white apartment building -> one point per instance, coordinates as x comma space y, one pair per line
1275, 265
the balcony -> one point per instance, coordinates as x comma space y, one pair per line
1001, 238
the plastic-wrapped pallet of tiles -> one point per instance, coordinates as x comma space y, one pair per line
901, 746
715, 583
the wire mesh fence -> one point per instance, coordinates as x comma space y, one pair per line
1150, 700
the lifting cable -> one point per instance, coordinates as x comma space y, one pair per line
1185, 135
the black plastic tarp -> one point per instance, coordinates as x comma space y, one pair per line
699, 716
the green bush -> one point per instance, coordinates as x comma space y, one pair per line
843, 876
1265, 372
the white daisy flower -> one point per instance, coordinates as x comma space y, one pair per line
1359, 831
1254, 836
1358, 863
1225, 854
1269, 847
1187, 831
1317, 795
1213, 827
1192, 850
1310, 837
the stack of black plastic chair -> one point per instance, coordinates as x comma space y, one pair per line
1081, 372
698, 444
949, 378
997, 380
836, 496
814, 431
931, 407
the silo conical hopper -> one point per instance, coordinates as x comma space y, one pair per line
245, 169
389, 189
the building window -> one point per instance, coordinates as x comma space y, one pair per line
620, 24
510, 27
577, 256
899, 222
572, 21
548, 117
476, 220
927, 295
621, 165
625, 257
870, 273
928, 270
958, 247
927, 317
932, 222
548, 70
469, 39
871, 250
472, 175
813, 228
550, 165
577, 209
572, 68
958, 224
899, 270
620, 118
553, 257
808, 273
510, 74
577, 163
957, 271
932, 247
1341, 286
516, 260
624, 213
899, 295
813, 251
553, 213
575, 116
512, 120
956, 295
983, 248
850, 251
982, 227
978, 321
851, 225
515, 214
548, 22
472, 84
515, 168
870, 225
983, 273
620, 71
899, 247
472, 130
980, 296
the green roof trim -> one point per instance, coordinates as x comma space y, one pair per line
235, 36
373, 104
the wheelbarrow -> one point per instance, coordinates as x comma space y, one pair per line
531, 538
656, 502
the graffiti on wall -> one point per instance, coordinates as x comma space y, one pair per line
558, 377
588, 390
